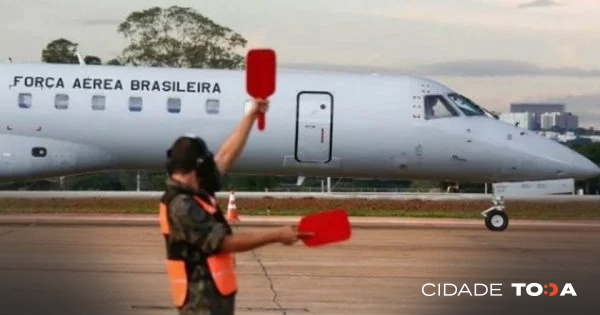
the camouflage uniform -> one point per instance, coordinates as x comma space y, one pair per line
198, 234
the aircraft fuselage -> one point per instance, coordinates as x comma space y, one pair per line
66, 119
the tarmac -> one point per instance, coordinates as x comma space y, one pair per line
115, 265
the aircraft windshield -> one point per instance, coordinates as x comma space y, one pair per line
468, 107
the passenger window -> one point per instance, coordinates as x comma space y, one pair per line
98, 102
437, 107
25, 100
39, 151
212, 106
61, 101
173, 105
135, 104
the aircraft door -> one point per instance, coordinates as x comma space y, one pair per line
314, 115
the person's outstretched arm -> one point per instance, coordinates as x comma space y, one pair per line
235, 143
241, 242
194, 225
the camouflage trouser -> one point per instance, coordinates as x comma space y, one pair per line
208, 303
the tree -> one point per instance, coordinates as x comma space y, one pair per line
589, 150
179, 37
60, 51
114, 62
92, 60
103, 181
65, 51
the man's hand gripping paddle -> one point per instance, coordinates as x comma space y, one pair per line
261, 67
330, 226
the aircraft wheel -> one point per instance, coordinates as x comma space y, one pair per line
496, 220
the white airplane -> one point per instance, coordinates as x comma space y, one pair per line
58, 120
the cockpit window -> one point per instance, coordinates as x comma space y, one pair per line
467, 106
438, 107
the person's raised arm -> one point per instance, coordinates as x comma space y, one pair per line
233, 146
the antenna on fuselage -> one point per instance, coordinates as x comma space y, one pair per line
81, 60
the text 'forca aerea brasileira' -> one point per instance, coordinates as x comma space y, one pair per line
116, 84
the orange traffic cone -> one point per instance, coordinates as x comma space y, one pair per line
232, 212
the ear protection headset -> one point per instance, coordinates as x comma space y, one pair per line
205, 166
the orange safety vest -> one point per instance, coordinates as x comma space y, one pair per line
220, 265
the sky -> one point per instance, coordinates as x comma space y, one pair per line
494, 51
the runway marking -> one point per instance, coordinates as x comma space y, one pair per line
357, 222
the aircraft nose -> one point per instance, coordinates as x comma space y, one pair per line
582, 168
569, 163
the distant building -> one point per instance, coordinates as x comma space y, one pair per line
593, 138
566, 121
545, 116
523, 120
550, 120
566, 137
537, 108
572, 121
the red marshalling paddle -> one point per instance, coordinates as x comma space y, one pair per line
329, 226
261, 67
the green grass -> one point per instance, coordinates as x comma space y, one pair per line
589, 210
373, 213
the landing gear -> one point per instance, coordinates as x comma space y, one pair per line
495, 217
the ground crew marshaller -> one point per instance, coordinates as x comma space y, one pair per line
199, 241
